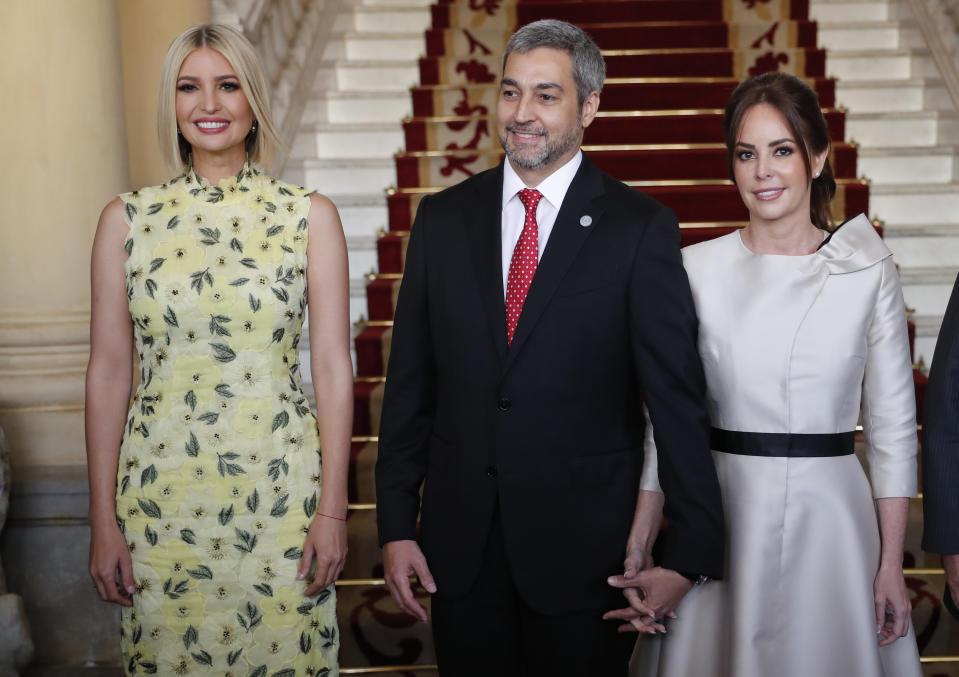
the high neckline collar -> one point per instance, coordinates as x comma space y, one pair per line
243, 180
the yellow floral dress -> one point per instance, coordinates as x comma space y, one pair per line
219, 471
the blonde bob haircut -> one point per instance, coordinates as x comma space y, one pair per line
261, 145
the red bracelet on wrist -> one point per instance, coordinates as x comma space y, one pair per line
323, 514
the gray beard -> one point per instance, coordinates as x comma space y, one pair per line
551, 152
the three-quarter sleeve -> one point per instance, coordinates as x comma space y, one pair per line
649, 480
889, 398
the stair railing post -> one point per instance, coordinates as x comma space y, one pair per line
940, 33
290, 37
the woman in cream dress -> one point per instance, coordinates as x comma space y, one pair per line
802, 332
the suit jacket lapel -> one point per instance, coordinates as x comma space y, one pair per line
484, 233
564, 243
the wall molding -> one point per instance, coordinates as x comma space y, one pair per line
50, 328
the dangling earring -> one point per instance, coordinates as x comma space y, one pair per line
253, 128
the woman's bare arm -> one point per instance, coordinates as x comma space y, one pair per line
108, 383
328, 295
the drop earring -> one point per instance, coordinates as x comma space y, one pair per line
253, 128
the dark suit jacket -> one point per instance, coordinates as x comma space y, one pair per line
940, 439
551, 428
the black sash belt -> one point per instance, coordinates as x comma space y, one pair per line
792, 445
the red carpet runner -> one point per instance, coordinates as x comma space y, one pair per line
672, 65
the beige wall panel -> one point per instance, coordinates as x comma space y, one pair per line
63, 143
45, 436
147, 29
64, 146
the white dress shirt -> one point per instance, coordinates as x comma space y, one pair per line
553, 188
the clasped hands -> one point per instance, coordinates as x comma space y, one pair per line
653, 594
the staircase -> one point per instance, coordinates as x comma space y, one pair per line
907, 128
352, 124
351, 129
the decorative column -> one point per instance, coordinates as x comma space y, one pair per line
64, 158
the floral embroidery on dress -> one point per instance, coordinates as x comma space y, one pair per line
216, 485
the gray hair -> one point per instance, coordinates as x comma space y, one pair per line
589, 69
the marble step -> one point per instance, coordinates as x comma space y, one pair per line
368, 45
865, 32
929, 276
926, 290
928, 298
326, 140
363, 261
851, 10
875, 64
355, 106
931, 246
907, 164
903, 129
357, 311
346, 175
885, 95
399, 17
927, 333
362, 253
914, 204
358, 303
362, 213
366, 75
361, 250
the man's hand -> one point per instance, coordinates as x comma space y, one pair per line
652, 594
402, 559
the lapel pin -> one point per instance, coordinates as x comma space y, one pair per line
586, 221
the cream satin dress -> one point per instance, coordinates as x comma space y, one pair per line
797, 344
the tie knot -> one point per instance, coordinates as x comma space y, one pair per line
530, 198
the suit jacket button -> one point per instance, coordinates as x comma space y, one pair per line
504, 404
491, 471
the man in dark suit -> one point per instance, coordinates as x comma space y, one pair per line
540, 302
940, 453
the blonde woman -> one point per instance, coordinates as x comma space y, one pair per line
212, 523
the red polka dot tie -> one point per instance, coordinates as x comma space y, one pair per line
522, 267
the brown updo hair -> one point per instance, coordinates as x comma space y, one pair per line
799, 105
